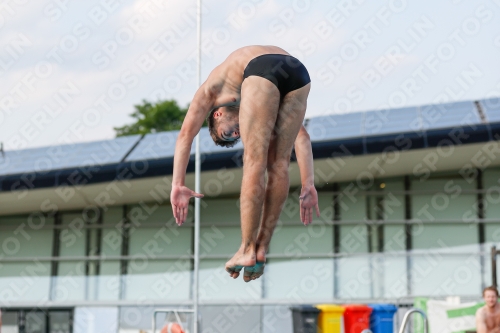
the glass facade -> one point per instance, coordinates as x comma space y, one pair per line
382, 239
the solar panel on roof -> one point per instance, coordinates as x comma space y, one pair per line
335, 126
491, 107
162, 145
331, 127
153, 146
392, 121
449, 115
66, 156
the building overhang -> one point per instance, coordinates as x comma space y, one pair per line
417, 154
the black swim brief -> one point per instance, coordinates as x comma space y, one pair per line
286, 72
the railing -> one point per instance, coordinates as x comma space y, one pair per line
407, 316
494, 253
176, 313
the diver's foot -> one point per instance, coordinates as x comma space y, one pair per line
238, 261
256, 271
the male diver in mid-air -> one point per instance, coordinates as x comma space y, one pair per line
259, 93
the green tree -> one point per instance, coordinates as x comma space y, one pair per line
152, 118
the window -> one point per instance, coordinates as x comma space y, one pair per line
444, 253
25, 241
220, 238
160, 254
301, 253
71, 283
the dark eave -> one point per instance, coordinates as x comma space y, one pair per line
233, 159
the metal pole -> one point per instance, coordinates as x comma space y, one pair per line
197, 190
494, 266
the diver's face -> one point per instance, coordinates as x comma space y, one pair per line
229, 126
229, 130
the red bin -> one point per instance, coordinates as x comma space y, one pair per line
356, 318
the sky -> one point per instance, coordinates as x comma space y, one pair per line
71, 71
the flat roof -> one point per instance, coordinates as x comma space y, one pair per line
351, 134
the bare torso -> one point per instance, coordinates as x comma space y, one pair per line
226, 79
491, 319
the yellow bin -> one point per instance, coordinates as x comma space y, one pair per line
330, 318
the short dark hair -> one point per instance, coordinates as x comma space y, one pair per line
492, 288
213, 124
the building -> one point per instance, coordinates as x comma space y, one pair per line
409, 200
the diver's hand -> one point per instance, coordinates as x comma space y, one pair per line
179, 198
308, 201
